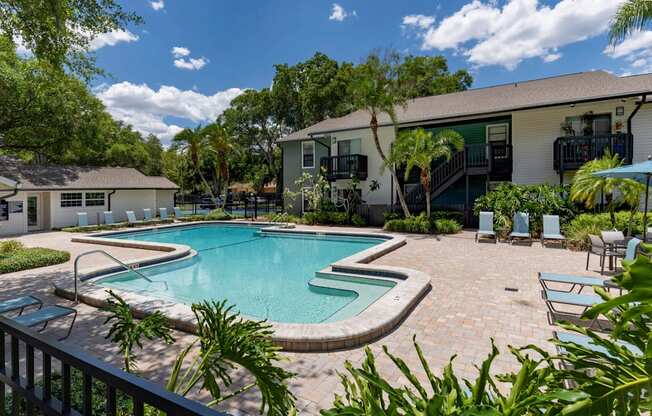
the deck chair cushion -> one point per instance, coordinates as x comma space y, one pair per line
46, 314
572, 298
576, 280
22, 302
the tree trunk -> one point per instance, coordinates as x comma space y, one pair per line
401, 198
425, 181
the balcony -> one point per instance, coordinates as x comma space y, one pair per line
573, 151
344, 167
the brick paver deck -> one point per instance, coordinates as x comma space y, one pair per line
468, 305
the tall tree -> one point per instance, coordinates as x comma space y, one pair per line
421, 76
60, 32
220, 144
191, 142
375, 88
632, 15
421, 149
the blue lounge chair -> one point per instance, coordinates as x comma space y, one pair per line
552, 230
178, 213
108, 218
521, 227
82, 219
46, 315
486, 228
555, 298
19, 304
163, 213
631, 251
147, 215
131, 218
574, 281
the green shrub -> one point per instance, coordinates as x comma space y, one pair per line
31, 258
447, 226
10, 246
91, 228
577, 231
457, 216
419, 225
389, 215
358, 221
536, 200
283, 217
217, 215
339, 218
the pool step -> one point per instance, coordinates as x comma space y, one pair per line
368, 291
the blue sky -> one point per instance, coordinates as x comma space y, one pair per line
189, 58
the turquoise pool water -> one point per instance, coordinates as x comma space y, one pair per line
265, 276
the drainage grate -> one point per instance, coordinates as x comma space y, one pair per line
511, 289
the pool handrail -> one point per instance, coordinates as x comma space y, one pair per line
126, 266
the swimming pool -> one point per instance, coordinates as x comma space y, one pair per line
266, 275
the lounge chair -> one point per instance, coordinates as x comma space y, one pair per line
178, 213
163, 213
45, 315
82, 219
598, 248
615, 242
521, 227
19, 304
486, 228
631, 251
147, 215
573, 281
552, 230
108, 218
589, 343
555, 298
131, 218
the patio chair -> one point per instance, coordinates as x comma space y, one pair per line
19, 304
631, 251
556, 299
573, 281
589, 343
615, 242
108, 218
521, 227
178, 213
598, 248
131, 218
82, 219
147, 215
552, 230
46, 315
163, 213
486, 228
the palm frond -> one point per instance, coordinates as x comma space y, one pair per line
631, 16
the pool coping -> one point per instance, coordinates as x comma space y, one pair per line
378, 319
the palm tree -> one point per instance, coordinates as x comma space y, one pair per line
191, 142
220, 143
631, 16
420, 148
587, 188
374, 88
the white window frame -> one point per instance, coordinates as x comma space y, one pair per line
81, 200
303, 144
86, 199
486, 134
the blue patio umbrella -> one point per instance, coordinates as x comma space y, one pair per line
640, 172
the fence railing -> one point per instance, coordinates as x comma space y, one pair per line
31, 388
571, 152
240, 206
345, 167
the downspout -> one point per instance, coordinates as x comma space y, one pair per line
630, 152
109, 202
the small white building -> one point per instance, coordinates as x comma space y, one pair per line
45, 197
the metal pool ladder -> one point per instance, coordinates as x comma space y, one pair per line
126, 266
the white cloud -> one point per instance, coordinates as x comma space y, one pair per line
339, 14
111, 39
146, 109
180, 51
157, 5
552, 57
191, 64
418, 21
638, 41
488, 34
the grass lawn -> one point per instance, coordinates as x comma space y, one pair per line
30, 258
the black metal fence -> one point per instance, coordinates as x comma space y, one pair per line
242, 205
27, 389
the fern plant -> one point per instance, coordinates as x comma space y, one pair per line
128, 332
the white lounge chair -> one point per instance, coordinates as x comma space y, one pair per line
521, 227
178, 213
147, 215
131, 218
552, 230
108, 218
163, 213
486, 228
82, 219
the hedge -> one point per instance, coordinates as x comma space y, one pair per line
577, 230
31, 258
421, 224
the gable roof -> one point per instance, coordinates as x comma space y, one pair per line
53, 177
564, 89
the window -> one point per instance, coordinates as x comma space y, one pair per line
589, 125
71, 199
498, 133
348, 147
307, 155
94, 199
4, 210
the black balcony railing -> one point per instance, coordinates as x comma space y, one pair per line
344, 167
573, 151
31, 384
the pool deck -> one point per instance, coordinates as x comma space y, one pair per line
468, 304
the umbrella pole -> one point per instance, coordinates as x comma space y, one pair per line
647, 190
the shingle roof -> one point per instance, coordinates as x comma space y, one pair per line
582, 86
41, 177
